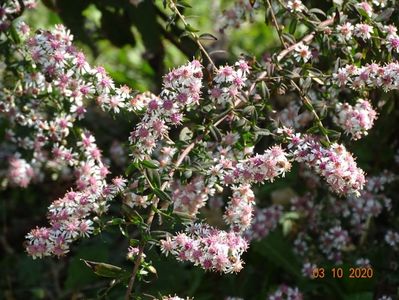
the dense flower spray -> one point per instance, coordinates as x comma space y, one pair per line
181, 90
356, 120
208, 247
335, 163
70, 217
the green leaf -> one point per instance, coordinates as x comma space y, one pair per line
317, 11
278, 251
183, 3
215, 133
78, 275
153, 177
131, 168
162, 195
116, 221
123, 231
190, 28
385, 15
105, 270
14, 34
292, 27
318, 80
208, 36
149, 164
334, 134
185, 134
308, 106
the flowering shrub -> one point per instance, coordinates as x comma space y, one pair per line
258, 163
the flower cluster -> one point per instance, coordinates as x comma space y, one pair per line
295, 6
69, 216
66, 69
59, 77
59, 73
20, 172
238, 213
225, 158
208, 247
345, 31
175, 298
369, 76
264, 221
189, 198
9, 9
392, 238
132, 253
301, 245
229, 82
364, 31
335, 164
352, 212
308, 270
134, 200
235, 15
355, 120
290, 116
260, 168
284, 292
370, 203
333, 242
181, 90
302, 53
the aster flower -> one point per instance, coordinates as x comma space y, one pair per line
20, 172
189, 198
287, 293
363, 31
302, 52
335, 163
345, 31
366, 7
239, 211
259, 168
208, 247
228, 82
295, 6
355, 120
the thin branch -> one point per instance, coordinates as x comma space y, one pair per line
308, 103
194, 36
306, 40
278, 28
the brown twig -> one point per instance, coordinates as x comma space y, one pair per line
306, 40
308, 103
278, 28
194, 36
